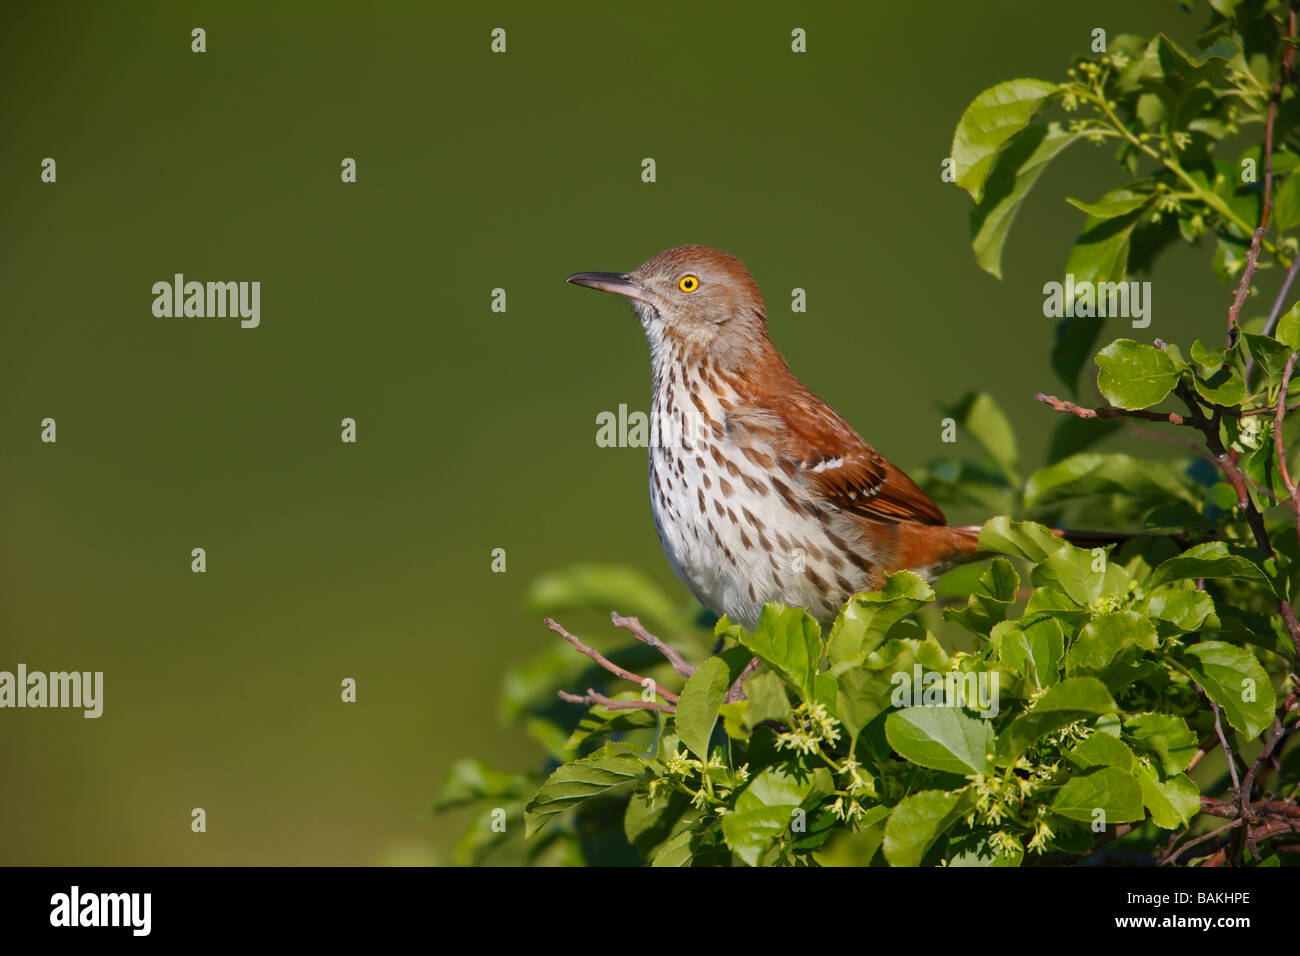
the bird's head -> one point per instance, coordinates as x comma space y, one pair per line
692, 300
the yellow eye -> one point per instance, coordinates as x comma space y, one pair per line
688, 284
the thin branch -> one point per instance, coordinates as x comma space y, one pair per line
1275, 828
737, 690
1229, 810
1187, 443
1210, 429
1061, 405
1252, 257
1277, 426
1266, 213
608, 664
645, 637
1172, 855
1279, 730
1268, 409
1223, 742
592, 698
1275, 313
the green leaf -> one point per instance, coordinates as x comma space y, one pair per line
1107, 636
941, 738
1286, 204
989, 605
789, 641
1015, 174
676, 851
750, 832
468, 781
599, 722
979, 416
1020, 539
1073, 572
1205, 356
1032, 649
1109, 209
1166, 736
765, 809
1233, 678
864, 622
1224, 387
1186, 608
918, 821
766, 696
1165, 65
867, 686
1112, 791
1260, 465
688, 846
1102, 750
1134, 375
1271, 355
1045, 600
1099, 255
1070, 700
1216, 559
974, 849
1288, 328
1172, 802
697, 709
991, 120
648, 824
579, 780
1095, 474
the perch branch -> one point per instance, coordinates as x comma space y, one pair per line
1252, 257
608, 664
645, 637
1061, 405
592, 698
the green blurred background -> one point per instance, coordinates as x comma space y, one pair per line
476, 429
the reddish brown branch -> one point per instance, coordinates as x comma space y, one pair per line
645, 637
1252, 257
1172, 854
592, 698
1268, 409
1277, 427
1271, 829
608, 664
1061, 405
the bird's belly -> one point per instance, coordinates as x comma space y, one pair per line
737, 544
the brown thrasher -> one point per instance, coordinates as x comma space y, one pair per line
760, 491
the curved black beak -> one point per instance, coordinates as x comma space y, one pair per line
616, 282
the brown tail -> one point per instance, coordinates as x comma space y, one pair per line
938, 548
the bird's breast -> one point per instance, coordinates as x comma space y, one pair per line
737, 529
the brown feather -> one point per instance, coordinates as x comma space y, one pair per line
831, 455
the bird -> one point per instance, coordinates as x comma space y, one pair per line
759, 490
